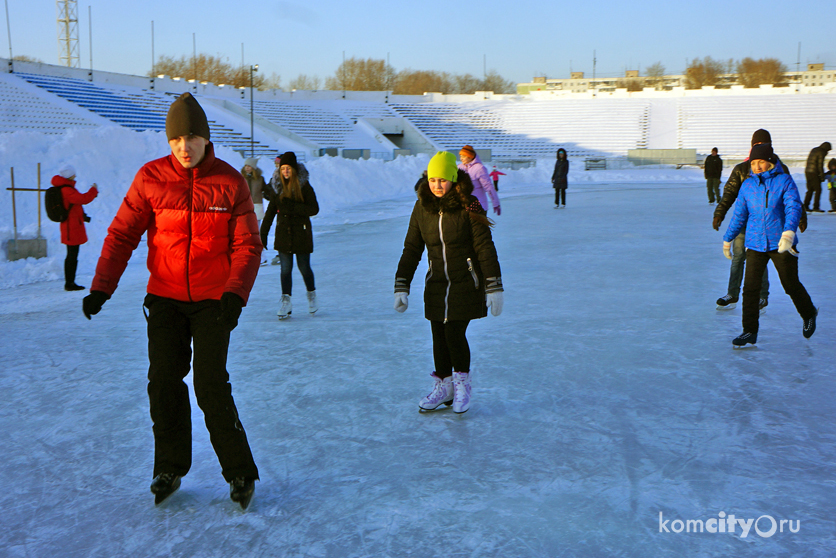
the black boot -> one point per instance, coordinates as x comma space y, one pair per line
241, 490
810, 325
164, 486
70, 266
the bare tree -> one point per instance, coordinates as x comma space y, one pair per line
703, 72
466, 84
273, 81
25, 58
204, 67
630, 84
303, 82
655, 75
418, 82
356, 74
499, 85
752, 73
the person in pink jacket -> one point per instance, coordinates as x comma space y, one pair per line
73, 233
482, 186
495, 174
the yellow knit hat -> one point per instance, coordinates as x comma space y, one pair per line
443, 165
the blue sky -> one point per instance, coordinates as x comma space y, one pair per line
518, 39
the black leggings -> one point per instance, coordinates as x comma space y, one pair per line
558, 194
70, 265
450, 349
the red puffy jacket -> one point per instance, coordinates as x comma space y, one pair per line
203, 236
73, 232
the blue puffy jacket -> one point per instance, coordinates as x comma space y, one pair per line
768, 204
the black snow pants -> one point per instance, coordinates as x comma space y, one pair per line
175, 327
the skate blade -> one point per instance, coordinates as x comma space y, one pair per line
440, 407
746, 346
245, 501
286, 316
731, 306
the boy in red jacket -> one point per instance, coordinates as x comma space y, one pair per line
204, 252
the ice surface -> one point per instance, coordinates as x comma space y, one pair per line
605, 394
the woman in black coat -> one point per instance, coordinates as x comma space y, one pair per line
560, 178
463, 278
292, 206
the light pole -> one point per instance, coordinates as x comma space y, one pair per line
252, 117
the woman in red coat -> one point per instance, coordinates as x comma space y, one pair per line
73, 233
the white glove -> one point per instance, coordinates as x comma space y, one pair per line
786, 241
727, 250
401, 302
495, 303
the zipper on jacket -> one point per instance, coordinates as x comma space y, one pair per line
189, 244
444, 259
472, 273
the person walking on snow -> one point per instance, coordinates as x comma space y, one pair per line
495, 174
203, 258
463, 280
292, 207
259, 190
560, 178
482, 186
73, 232
769, 206
713, 170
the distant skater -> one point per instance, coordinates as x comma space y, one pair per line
830, 179
482, 185
769, 206
713, 170
814, 173
73, 232
463, 279
560, 178
495, 174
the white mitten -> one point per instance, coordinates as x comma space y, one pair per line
727, 250
495, 303
401, 302
786, 241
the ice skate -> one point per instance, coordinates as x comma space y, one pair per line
241, 490
461, 392
744, 339
164, 485
762, 306
442, 393
313, 306
810, 325
285, 310
727, 302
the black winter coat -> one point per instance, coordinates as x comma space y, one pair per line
815, 162
739, 173
293, 223
713, 166
460, 251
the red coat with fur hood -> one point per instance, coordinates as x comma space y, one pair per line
203, 236
73, 232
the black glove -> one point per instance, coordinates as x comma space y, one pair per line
231, 305
86, 218
92, 303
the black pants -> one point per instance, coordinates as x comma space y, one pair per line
450, 349
70, 265
813, 187
787, 267
496, 185
304, 262
173, 328
558, 194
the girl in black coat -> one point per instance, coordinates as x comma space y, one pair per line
463, 278
293, 206
560, 178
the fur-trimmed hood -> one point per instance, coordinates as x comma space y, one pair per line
452, 200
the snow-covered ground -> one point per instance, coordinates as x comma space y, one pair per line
609, 407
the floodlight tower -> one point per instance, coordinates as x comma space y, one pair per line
67, 33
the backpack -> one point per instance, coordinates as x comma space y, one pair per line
54, 202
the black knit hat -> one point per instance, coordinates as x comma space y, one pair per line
761, 136
186, 118
289, 158
763, 151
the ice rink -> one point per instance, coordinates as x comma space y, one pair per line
609, 408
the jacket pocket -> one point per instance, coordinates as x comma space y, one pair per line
473, 273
